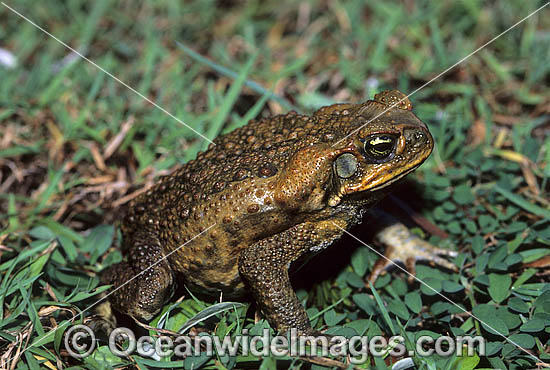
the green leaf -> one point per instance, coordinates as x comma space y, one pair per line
360, 326
454, 227
398, 308
490, 322
360, 261
332, 318
431, 286
491, 348
62, 230
463, 194
451, 286
525, 275
497, 363
533, 326
532, 255
466, 362
68, 246
499, 287
438, 181
487, 223
513, 259
58, 335
354, 280
31, 360
470, 226
542, 303
98, 241
41, 232
497, 256
413, 300
512, 320
518, 305
523, 340
268, 363
481, 263
365, 302
36, 267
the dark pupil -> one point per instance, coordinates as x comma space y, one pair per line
381, 146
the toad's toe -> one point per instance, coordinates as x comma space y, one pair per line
404, 246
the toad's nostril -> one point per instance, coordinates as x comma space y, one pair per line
414, 137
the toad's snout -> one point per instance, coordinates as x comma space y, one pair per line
414, 140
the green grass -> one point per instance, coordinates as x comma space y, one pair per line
217, 65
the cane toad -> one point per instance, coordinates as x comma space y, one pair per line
237, 216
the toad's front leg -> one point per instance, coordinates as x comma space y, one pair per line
143, 283
264, 267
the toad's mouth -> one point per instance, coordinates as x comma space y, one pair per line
396, 178
360, 190
380, 179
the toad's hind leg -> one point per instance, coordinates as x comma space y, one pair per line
264, 267
401, 245
143, 283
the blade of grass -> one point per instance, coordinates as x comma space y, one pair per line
231, 74
382, 308
209, 312
229, 100
50, 190
149, 58
61, 230
31, 311
521, 202
252, 112
546, 170
13, 221
26, 253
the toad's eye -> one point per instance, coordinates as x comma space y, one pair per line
380, 147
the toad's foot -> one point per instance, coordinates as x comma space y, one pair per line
103, 320
404, 246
